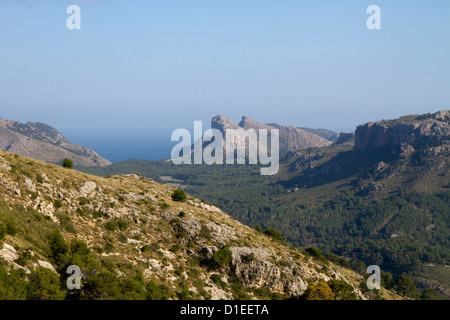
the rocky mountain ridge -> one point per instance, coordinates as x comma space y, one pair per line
405, 133
291, 138
40, 141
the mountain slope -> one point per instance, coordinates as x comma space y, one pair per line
40, 141
324, 133
130, 228
384, 201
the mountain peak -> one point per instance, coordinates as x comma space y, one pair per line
222, 123
248, 123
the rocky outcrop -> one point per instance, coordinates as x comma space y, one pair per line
222, 123
291, 138
404, 133
42, 142
344, 137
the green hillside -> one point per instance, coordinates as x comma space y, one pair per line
382, 206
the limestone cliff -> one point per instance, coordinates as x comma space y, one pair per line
405, 133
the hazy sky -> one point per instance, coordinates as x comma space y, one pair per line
150, 65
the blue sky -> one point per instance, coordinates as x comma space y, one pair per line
141, 66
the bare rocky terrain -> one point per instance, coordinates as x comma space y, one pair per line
40, 141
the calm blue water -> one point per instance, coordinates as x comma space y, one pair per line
119, 147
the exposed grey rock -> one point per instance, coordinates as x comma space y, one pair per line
400, 134
191, 226
47, 265
207, 251
222, 233
46, 208
291, 138
222, 123
344, 137
40, 141
30, 185
87, 188
217, 293
5, 166
8, 253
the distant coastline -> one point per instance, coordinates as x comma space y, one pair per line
119, 146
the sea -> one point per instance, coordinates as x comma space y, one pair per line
117, 147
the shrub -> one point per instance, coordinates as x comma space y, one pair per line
11, 228
430, 294
23, 258
12, 285
96, 215
58, 248
265, 293
239, 291
316, 253
67, 163
122, 238
122, 225
79, 247
58, 204
83, 201
2, 232
338, 260
342, 290
44, 285
155, 246
405, 286
175, 248
205, 233
39, 178
164, 206
221, 257
116, 224
275, 234
387, 280
215, 278
191, 244
248, 258
184, 294
108, 247
66, 223
179, 195
155, 292
111, 226
319, 291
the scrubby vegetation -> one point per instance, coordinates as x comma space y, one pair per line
403, 228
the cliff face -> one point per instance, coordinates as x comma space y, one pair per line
404, 133
40, 141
